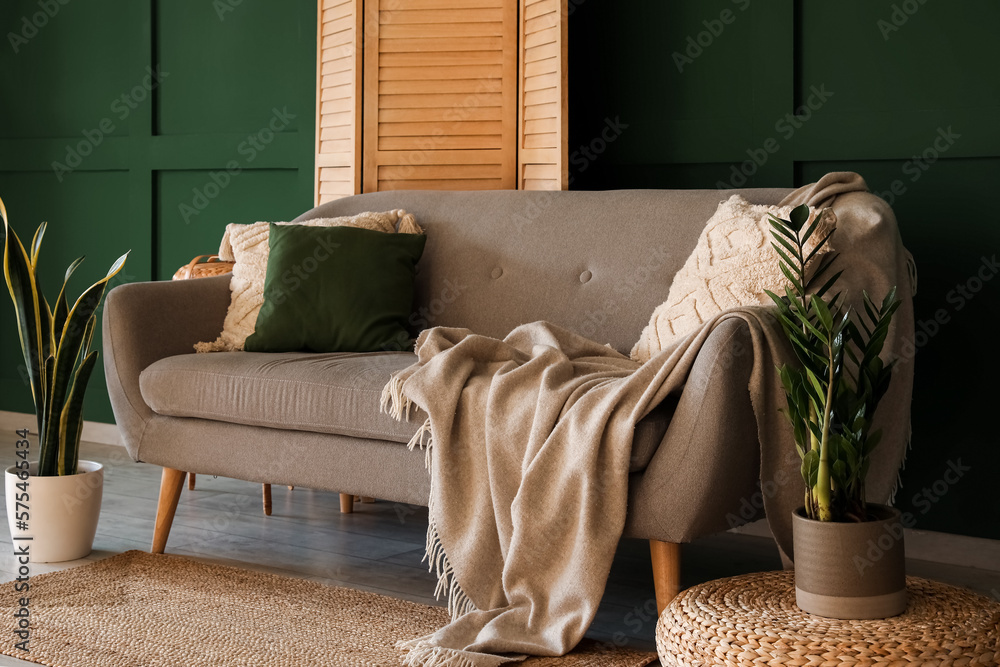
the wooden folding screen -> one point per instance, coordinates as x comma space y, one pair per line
451, 94
542, 155
440, 106
338, 99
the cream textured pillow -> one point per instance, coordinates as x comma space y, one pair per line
247, 245
731, 266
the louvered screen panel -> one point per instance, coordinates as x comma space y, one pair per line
440, 104
542, 157
338, 99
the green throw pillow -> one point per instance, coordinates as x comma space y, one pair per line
336, 289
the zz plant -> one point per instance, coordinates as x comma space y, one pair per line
834, 389
56, 347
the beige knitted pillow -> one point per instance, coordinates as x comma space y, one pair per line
731, 266
247, 245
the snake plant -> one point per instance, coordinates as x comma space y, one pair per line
833, 391
56, 347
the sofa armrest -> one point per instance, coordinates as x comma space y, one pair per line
706, 468
145, 322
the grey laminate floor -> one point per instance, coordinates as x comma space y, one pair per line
379, 547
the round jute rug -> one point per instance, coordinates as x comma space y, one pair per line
137, 609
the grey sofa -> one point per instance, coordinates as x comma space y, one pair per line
594, 262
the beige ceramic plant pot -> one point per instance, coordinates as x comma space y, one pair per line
62, 512
850, 570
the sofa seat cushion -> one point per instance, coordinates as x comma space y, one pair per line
335, 393
323, 393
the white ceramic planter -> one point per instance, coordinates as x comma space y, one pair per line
62, 511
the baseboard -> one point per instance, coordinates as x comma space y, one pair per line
961, 550
105, 434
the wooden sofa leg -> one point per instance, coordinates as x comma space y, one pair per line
267, 500
346, 503
666, 572
191, 477
171, 484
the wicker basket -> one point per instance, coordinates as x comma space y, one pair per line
752, 621
204, 266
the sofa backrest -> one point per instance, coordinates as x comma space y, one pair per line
597, 263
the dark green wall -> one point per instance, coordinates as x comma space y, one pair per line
894, 92
147, 156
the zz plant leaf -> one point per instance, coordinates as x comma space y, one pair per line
833, 390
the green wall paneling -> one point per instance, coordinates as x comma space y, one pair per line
184, 231
77, 209
894, 93
226, 68
59, 77
153, 98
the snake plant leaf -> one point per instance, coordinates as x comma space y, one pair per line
45, 321
71, 418
799, 216
70, 345
36, 243
88, 337
62, 306
46, 454
27, 306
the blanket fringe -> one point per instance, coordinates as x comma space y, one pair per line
393, 401
396, 404
902, 466
459, 603
422, 653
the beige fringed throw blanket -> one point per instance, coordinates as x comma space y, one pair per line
528, 443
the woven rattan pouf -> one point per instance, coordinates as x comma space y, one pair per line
752, 621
